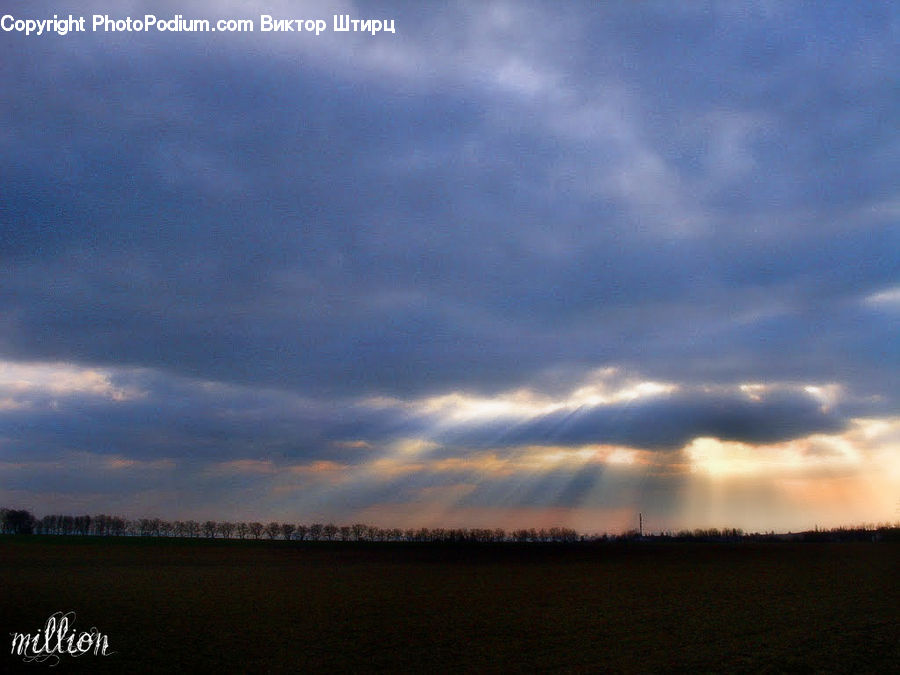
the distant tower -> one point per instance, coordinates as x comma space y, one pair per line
641, 524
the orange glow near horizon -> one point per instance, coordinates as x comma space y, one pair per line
824, 479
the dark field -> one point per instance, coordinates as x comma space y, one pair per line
228, 606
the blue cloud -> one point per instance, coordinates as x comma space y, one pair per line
489, 199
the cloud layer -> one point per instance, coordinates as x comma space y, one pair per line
256, 238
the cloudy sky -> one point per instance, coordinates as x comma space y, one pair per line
517, 264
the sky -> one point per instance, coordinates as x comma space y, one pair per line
517, 264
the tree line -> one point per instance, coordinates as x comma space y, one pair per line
20, 521
23, 522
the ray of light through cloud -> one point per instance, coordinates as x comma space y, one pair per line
516, 264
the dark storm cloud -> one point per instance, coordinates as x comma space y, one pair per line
663, 422
700, 195
150, 417
194, 421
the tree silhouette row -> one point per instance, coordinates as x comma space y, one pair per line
20, 521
